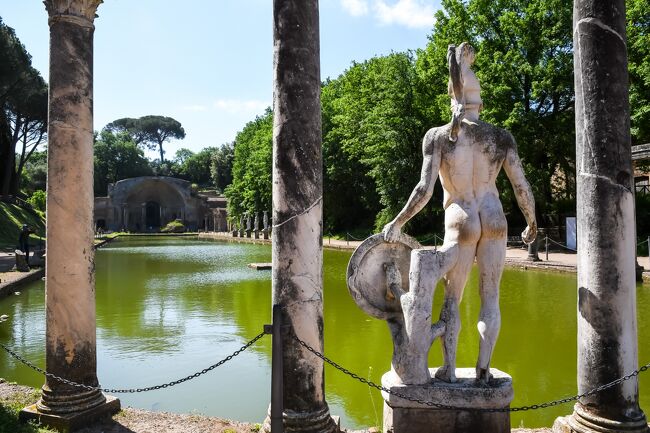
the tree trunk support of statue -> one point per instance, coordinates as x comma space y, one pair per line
607, 331
70, 277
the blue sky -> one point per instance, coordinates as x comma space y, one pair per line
208, 63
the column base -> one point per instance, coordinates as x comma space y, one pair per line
307, 422
403, 416
69, 422
583, 422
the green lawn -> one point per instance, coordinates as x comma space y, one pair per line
12, 218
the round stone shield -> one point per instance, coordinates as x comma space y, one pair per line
366, 274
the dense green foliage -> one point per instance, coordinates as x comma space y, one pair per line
250, 190
117, 157
23, 110
525, 65
376, 113
221, 166
638, 35
195, 167
37, 200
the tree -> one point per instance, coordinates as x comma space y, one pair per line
221, 166
250, 190
117, 157
195, 167
23, 109
373, 129
525, 65
150, 131
34, 173
638, 42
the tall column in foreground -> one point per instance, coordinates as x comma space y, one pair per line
70, 279
607, 334
297, 210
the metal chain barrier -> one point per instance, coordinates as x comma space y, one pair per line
131, 390
444, 406
561, 245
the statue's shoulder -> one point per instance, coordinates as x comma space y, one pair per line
500, 136
437, 135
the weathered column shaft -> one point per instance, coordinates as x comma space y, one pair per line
70, 279
607, 331
297, 209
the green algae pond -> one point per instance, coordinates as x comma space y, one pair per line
168, 307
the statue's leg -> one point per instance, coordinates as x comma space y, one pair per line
454, 284
490, 256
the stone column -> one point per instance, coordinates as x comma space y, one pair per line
70, 280
297, 278
607, 331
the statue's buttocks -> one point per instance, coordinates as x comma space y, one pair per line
467, 155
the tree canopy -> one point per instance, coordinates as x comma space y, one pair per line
377, 111
23, 109
117, 157
150, 131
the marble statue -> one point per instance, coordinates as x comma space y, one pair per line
467, 155
265, 220
392, 277
256, 223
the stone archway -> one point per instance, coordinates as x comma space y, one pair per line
152, 215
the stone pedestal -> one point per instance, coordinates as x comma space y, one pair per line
256, 234
403, 416
248, 233
235, 233
265, 233
21, 261
69, 422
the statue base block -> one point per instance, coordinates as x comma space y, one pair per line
70, 422
404, 416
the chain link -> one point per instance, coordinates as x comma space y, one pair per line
444, 406
131, 390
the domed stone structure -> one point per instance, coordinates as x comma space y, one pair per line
145, 204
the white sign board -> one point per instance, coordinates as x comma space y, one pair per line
571, 233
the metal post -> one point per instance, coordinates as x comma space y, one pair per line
546, 238
277, 372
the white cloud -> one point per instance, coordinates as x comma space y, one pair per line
410, 13
356, 8
240, 106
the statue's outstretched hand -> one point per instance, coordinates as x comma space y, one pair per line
529, 234
392, 232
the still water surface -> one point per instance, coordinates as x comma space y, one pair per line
168, 307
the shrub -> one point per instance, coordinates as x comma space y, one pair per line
37, 200
175, 226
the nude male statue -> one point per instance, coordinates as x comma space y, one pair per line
467, 154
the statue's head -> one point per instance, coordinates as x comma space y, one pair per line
465, 54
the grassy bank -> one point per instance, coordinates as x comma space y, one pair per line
12, 218
12, 399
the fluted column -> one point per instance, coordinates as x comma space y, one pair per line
607, 331
70, 279
297, 210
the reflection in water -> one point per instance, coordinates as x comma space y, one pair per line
167, 307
